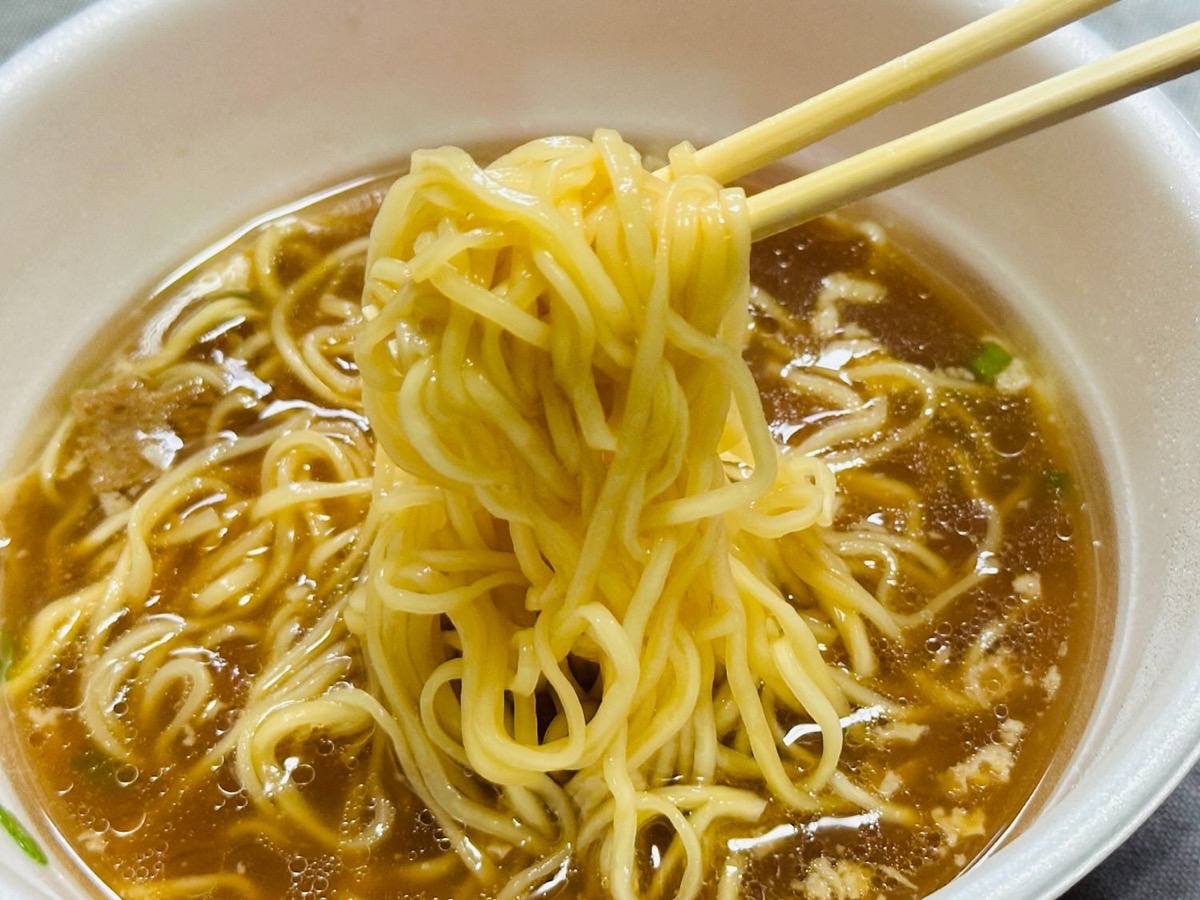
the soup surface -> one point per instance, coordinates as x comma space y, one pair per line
962, 508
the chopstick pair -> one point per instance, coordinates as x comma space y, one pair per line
959, 137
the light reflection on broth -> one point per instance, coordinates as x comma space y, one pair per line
958, 726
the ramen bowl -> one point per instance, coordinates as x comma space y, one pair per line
139, 132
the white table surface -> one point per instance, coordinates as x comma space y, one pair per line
1162, 859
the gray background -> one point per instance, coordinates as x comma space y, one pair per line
1162, 859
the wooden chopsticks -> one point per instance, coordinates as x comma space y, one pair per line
1015, 115
959, 137
951, 140
903, 77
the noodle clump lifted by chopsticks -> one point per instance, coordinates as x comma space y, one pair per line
590, 589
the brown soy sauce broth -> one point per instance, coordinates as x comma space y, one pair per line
135, 827
1056, 525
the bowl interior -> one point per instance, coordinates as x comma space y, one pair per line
141, 131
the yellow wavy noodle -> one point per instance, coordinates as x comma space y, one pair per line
582, 504
563, 578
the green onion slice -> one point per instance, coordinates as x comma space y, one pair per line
989, 361
23, 838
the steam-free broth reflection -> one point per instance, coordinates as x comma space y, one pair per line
961, 508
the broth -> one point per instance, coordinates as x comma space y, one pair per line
984, 688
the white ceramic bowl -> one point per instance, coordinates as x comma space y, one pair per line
141, 131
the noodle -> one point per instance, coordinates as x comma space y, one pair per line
566, 369
486, 508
